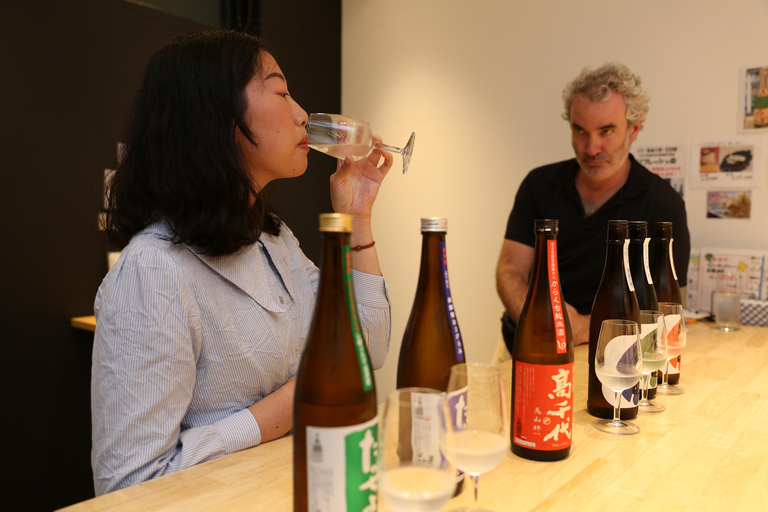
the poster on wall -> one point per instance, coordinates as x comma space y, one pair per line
728, 164
753, 99
667, 161
729, 204
746, 266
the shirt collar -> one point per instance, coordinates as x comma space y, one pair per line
248, 269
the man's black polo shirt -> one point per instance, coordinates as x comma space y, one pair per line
549, 192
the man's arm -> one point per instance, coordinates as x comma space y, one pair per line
512, 274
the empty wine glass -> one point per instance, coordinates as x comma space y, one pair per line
342, 136
477, 405
619, 366
674, 326
417, 458
654, 342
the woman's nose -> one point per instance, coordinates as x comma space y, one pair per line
300, 116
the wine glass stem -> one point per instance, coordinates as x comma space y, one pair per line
616, 406
646, 381
476, 483
391, 149
665, 381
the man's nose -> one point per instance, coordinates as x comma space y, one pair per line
593, 145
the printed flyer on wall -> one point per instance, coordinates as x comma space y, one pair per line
667, 161
748, 267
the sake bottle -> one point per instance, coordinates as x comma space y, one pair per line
640, 270
335, 413
542, 360
665, 280
432, 341
615, 299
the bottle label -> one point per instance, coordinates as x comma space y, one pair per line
357, 334
556, 297
621, 347
543, 416
646, 263
626, 266
672, 259
425, 430
341, 468
458, 344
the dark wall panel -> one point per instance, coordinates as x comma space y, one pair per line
69, 73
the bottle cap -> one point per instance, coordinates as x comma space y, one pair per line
434, 224
335, 223
638, 229
546, 225
663, 229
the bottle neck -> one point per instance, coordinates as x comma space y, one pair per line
432, 247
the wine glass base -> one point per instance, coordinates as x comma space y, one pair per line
648, 406
407, 152
666, 389
616, 427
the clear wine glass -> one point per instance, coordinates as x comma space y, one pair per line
619, 366
674, 326
342, 136
417, 458
654, 342
478, 409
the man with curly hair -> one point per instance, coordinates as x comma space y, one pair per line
605, 108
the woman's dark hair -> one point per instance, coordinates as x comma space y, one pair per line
181, 162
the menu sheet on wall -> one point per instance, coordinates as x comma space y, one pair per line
747, 267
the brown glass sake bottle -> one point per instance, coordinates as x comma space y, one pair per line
615, 299
542, 360
335, 410
639, 266
665, 278
432, 341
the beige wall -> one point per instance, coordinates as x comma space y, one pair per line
480, 81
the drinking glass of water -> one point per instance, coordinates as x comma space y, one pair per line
654, 342
417, 458
726, 302
342, 136
674, 327
619, 366
478, 409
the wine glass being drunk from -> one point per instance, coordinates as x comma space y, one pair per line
654, 342
478, 408
417, 465
619, 366
342, 136
674, 326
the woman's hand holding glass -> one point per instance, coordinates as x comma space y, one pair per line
478, 408
417, 465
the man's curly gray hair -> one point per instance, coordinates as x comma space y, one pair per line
599, 84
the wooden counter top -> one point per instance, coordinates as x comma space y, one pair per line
707, 452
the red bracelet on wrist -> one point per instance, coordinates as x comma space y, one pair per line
361, 247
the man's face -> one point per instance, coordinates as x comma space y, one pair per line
601, 136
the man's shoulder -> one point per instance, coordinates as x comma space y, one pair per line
547, 174
658, 186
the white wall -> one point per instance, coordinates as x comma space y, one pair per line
479, 81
